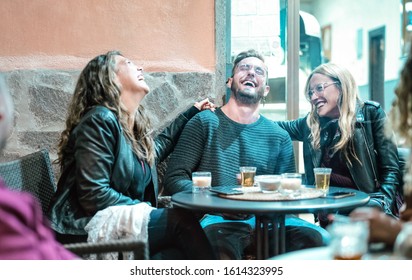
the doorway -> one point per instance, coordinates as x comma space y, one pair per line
377, 65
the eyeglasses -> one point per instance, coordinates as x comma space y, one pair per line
247, 67
320, 88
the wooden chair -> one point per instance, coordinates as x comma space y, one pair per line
33, 173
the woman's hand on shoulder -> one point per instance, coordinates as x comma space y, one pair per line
205, 104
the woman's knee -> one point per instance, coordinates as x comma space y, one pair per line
182, 217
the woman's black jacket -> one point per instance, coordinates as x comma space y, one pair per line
98, 169
378, 172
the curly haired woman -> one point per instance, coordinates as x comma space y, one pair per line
108, 158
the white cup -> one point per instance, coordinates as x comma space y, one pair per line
202, 181
290, 183
268, 183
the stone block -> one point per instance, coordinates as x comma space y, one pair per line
41, 99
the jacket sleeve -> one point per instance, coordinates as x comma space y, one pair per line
184, 159
167, 139
295, 128
94, 155
387, 161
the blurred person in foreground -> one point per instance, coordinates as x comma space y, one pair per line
235, 135
382, 227
108, 155
346, 134
25, 233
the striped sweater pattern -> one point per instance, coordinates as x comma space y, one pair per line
212, 142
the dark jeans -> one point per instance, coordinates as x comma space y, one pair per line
70, 238
176, 234
235, 239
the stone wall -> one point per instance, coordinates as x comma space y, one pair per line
41, 99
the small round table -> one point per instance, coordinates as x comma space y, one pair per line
268, 212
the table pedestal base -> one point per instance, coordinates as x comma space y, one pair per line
267, 229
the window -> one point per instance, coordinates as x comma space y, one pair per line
371, 45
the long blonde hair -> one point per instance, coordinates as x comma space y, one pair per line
347, 103
97, 86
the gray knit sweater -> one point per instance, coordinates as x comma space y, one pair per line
212, 142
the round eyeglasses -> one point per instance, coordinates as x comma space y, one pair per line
320, 88
247, 67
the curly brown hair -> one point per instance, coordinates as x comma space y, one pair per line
97, 85
401, 110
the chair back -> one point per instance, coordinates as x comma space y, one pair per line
118, 249
403, 154
31, 173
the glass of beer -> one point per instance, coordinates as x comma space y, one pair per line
247, 176
322, 179
202, 181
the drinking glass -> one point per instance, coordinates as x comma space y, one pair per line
403, 243
290, 183
202, 181
247, 176
349, 239
322, 179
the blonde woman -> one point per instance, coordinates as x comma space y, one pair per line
348, 135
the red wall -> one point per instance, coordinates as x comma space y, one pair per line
161, 35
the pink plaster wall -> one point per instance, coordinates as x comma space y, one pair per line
161, 35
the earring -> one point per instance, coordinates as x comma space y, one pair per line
264, 101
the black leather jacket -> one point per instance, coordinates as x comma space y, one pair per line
99, 167
378, 173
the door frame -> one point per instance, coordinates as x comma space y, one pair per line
377, 43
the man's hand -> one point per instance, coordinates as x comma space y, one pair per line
382, 228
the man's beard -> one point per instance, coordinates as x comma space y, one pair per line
247, 98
